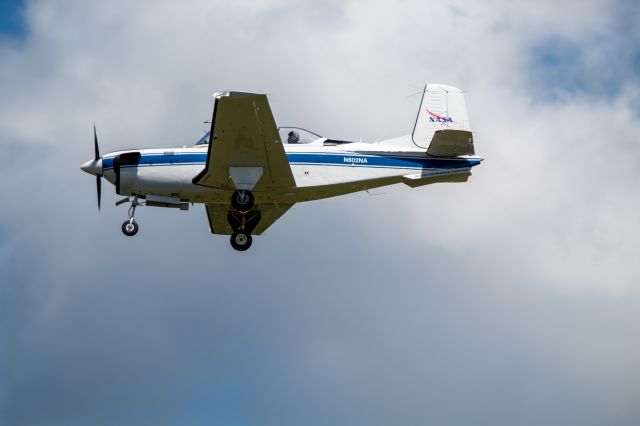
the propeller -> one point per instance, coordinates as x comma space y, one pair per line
95, 167
96, 158
95, 143
99, 189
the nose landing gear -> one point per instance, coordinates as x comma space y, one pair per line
130, 226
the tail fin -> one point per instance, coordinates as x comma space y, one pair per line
442, 126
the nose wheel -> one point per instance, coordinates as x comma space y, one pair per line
130, 227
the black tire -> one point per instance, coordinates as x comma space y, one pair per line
241, 240
130, 228
242, 200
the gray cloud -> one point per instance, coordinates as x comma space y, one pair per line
508, 300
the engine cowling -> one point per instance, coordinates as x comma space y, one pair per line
125, 169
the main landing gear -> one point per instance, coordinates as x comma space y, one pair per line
241, 240
242, 200
130, 226
242, 219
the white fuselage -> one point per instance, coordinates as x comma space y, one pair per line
320, 170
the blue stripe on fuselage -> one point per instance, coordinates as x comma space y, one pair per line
164, 159
321, 159
399, 162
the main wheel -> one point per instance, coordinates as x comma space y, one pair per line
241, 240
130, 228
242, 200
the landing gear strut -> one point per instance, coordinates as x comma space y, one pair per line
130, 226
242, 219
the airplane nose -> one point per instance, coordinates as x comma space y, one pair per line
93, 167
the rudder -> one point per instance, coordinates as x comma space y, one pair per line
443, 110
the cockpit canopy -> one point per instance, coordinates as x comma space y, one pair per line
297, 135
288, 135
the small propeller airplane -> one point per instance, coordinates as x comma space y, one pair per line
248, 172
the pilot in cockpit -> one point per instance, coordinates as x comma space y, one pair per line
293, 137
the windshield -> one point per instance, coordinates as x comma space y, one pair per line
296, 135
204, 140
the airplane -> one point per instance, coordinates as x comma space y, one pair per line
248, 172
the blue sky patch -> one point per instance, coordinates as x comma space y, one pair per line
556, 68
635, 63
559, 69
599, 64
11, 18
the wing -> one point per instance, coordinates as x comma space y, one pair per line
218, 223
245, 150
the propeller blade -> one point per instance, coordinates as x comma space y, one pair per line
95, 142
99, 189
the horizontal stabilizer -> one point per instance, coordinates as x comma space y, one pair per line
451, 143
418, 179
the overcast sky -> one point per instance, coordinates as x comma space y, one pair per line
512, 299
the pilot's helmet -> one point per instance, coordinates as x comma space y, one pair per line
293, 137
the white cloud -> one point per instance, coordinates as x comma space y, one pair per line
509, 299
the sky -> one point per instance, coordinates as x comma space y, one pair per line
11, 20
510, 299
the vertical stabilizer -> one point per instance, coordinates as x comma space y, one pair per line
442, 108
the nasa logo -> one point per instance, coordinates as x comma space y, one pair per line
435, 118
355, 160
